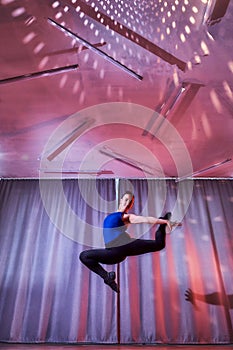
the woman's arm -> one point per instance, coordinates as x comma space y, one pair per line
138, 219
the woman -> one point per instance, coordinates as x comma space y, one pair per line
118, 242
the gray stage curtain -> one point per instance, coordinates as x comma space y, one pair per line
47, 295
198, 258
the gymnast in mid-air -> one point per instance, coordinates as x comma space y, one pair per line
118, 243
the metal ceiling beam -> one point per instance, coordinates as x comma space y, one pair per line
70, 138
129, 161
96, 50
177, 103
198, 172
78, 172
129, 34
217, 10
44, 73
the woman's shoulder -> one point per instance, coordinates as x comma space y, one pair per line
111, 216
126, 217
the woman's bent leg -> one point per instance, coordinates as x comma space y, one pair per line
93, 257
90, 259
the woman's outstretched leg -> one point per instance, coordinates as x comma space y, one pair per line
160, 234
143, 246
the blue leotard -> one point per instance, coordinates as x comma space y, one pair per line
114, 228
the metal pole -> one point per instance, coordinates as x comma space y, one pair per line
118, 278
39, 74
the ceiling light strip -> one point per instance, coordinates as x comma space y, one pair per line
70, 138
205, 169
129, 34
96, 50
44, 73
78, 172
177, 103
122, 158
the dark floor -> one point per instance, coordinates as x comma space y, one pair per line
7, 346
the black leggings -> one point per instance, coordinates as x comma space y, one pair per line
93, 257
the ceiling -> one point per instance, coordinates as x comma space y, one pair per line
111, 88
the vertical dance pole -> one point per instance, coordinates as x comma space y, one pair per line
118, 279
118, 307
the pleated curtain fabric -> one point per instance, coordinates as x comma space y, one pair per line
182, 294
